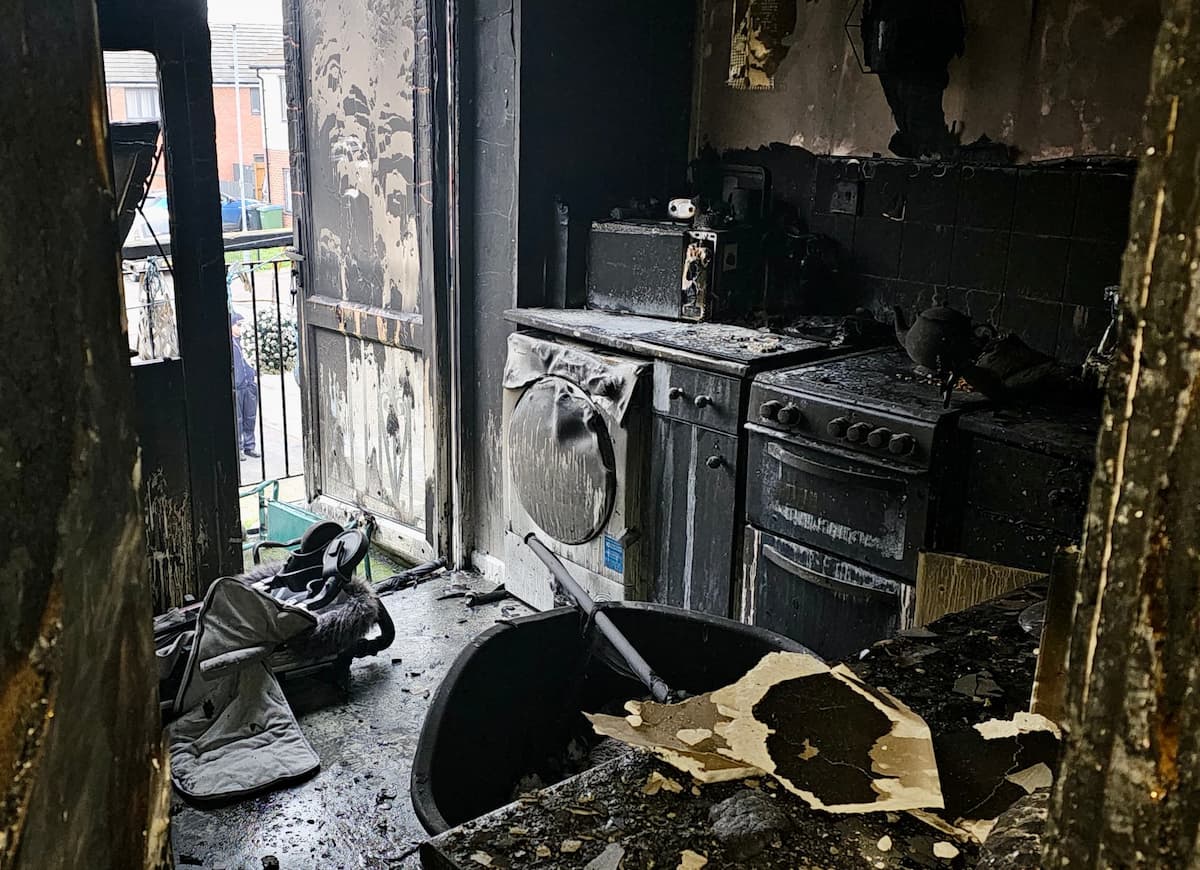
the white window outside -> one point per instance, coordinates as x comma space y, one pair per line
141, 104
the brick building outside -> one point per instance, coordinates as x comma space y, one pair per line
261, 167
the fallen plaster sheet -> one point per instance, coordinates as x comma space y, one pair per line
683, 735
1022, 723
986, 769
838, 744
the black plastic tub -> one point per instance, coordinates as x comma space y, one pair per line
512, 698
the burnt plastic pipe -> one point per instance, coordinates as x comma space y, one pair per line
659, 690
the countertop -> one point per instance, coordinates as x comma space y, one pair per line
1068, 429
737, 351
926, 669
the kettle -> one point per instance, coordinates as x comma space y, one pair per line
942, 340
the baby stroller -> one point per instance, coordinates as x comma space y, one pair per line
232, 732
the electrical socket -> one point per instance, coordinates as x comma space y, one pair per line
844, 199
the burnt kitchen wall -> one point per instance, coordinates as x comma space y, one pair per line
488, 70
605, 93
581, 101
1020, 213
1028, 249
1054, 78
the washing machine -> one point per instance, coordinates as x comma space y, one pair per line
576, 431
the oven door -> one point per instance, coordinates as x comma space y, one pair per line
874, 514
833, 607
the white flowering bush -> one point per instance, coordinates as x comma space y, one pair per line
276, 342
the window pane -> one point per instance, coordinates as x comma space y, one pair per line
141, 104
255, 101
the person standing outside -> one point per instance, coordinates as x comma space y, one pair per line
245, 386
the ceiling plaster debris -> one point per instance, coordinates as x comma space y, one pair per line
842, 746
825, 736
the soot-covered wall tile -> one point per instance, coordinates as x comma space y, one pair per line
1102, 207
977, 235
980, 305
1033, 320
932, 193
979, 259
1080, 328
1093, 265
912, 297
877, 247
986, 195
925, 252
1045, 202
885, 191
1037, 266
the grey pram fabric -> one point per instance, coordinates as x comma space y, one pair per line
236, 734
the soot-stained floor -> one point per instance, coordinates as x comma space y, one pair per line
356, 812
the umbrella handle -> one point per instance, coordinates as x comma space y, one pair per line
570, 587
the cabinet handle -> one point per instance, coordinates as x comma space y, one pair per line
702, 401
714, 462
675, 393
841, 587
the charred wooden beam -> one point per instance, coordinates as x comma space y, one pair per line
1128, 795
84, 773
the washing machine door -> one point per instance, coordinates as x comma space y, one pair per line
561, 460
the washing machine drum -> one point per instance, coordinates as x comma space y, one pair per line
561, 459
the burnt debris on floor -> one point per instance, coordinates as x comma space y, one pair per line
650, 810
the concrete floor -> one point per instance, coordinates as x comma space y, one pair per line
356, 812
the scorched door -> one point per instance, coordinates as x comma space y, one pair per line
361, 77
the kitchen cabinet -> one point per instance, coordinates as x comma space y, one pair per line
1027, 472
695, 482
694, 473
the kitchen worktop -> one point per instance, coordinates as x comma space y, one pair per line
1066, 428
723, 348
964, 669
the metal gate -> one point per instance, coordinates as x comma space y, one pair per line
369, 203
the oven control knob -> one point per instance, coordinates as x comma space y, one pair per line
837, 427
879, 437
858, 432
902, 444
769, 410
789, 415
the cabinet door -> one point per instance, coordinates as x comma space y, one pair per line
695, 486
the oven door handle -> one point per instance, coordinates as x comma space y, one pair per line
851, 590
831, 472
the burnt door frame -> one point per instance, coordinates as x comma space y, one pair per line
429, 333
200, 536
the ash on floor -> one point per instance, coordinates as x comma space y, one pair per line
356, 812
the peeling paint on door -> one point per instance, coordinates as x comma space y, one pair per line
371, 419
362, 151
366, 73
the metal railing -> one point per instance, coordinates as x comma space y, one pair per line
255, 267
